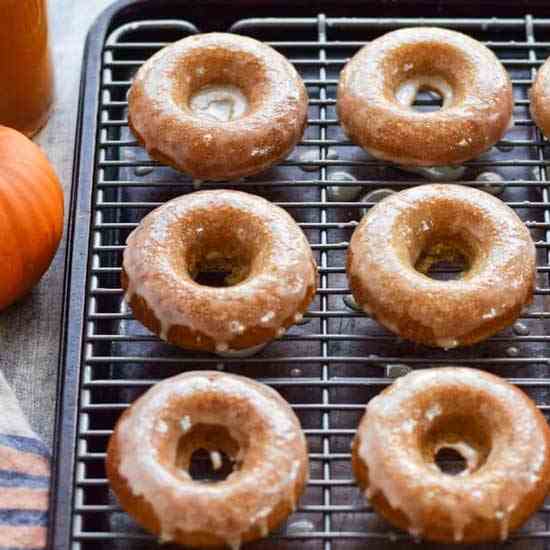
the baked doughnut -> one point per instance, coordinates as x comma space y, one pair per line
150, 451
498, 430
271, 278
218, 106
540, 98
397, 242
377, 89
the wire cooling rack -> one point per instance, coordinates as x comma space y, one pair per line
332, 364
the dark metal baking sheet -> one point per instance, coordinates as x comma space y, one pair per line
327, 368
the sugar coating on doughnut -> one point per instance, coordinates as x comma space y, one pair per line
517, 464
272, 463
283, 269
390, 239
218, 106
378, 86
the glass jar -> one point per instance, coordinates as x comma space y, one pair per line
26, 78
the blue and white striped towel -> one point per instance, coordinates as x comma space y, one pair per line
24, 478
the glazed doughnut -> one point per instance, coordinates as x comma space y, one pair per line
272, 276
150, 451
377, 89
498, 430
397, 242
218, 106
540, 98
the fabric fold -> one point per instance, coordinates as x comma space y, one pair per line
24, 478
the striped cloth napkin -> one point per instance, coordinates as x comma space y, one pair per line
24, 478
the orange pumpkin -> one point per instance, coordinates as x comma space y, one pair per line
31, 215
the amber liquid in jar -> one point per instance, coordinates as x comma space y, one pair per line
26, 78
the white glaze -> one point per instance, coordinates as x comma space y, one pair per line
512, 351
222, 314
492, 182
237, 327
378, 85
267, 318
308, 157
299, 526
243, 353
233, 136
221, 102
447, 343
380, 264
343, 193
397, 468
143, 170
520, 329
185, 423
216, 460
162, 427
264, 528
406, 93
491, 314
436, 173
433, 412
254, 490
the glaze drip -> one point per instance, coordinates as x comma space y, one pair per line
378, 86
280, 269
272, 464
218, 106
397, 233
502, 470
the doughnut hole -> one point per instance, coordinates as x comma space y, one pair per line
227, 88
440, 248
444, 261
416, 92
209, 466
219, 268
427, 100
427, 66
218, 413
450, 461
223, 250
456, 444
208, 453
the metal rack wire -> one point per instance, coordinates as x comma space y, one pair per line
331, 365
